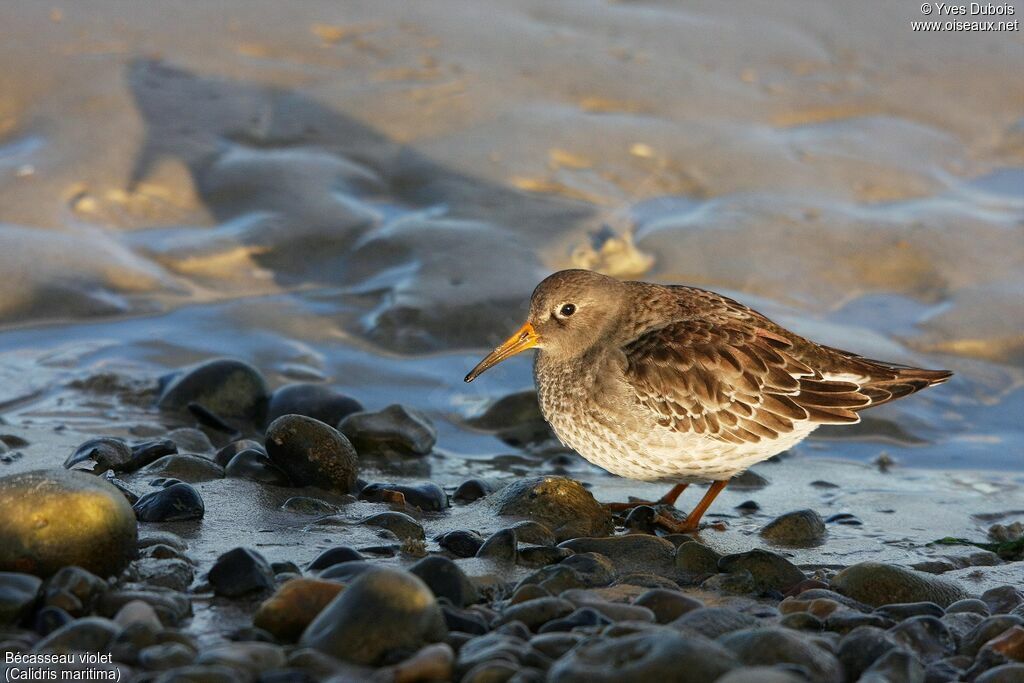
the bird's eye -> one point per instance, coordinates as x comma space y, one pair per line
566, 310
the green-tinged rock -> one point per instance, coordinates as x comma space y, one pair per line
879, 584
562, 504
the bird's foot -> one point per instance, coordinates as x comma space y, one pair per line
686, 526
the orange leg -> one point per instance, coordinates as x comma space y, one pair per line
692, 522
668, 499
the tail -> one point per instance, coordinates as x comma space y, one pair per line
895, 382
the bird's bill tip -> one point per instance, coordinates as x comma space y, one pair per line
525, 338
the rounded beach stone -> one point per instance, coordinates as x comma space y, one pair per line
879, 584
384, 610
333, 556
798, 528
228, 388
175, 503
18, 594
773, 645
427, 496
761, 674
667, 605
184, 467
99, 455
769, 570
394, 431
55, 518
312, 453
256, 466
240, 571
224, 455
657, 655
288, 612
562, 504
630, 553
446, 580
317, 401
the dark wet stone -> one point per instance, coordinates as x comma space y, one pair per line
346, 572
121, 486
844, 621
460, 542
667, 605
772, 645
400, 524
541, 555
333, 556
224, 455
98, 455
312, 453
473, 489
515, 419
988, 629
1003, 599
174, 573
962, 623
190, 440
973, 605
428, 496
800, 528
534, 533
747, 507
713, 622
446, 580
631, 553
304, 505
526, 592
145, 452
18, 594
905, 610
228, 388
895, 666
184, 467
770, 571
164, 482
383, 611
171, 606
1005, 673
943, 670
49, 619
240, 571
396, 431
650, 656
879, 584
926, 636
165, 656
285, 567
642, 518
56, 518
464, 620
89, 634
801, 621
554, 645
580, 617
176, 502
502, 546
697, 559
739, 582
199, 674
294, 605
562, 504
256, 466
825, 594
73, 589
534, 613
844, 518
312, 400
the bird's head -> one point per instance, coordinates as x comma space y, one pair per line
569, 311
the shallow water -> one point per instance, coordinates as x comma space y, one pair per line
366, 194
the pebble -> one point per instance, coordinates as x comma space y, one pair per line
255, 465
879, 584
384, 610
184, 467
713, 622
535, 613
74, 589
460, 542
304, 505
149, 451
311, 400
800, 528
583, 618
55, 518
99, 455
1003, 599
428, 497
473, 489
1005, 673
761, 674
925, 635
175, 503
905, 610
174, 573
89, 634
312, 453
647, 656
199, 674
502, 546
138, 612
18, 594
49, 619
249, 659
770, 571
535, 533
171, 606
333, 556
667, 605
772, 645
972, 605
240, 571
562, 504
988, 629
630, 553
432, 663
400, 524
541, 555
446, 580
895, 666
396, 431
228, 388
696, 559
165, 656
190, 440
224, 455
